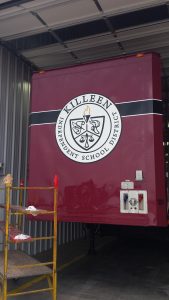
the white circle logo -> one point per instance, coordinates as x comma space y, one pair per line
88, 128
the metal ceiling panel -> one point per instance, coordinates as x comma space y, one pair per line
93, 41
57, 48
106, 40
70, 12
120, 6
98, 52
143, 31
37, 3
147, 43
42, 3
66, 33
61, 59
10, 11
52, 33
19, 24
23, 7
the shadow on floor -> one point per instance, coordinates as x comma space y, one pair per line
123, 269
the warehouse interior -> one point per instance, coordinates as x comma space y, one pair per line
40, 35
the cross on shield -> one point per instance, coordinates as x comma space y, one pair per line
87, 131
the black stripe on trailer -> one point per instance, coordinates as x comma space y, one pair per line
141, 107
44, 117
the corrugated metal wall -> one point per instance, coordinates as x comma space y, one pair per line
15, 86
67, 232
15, 79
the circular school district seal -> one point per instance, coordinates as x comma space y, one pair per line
88, 128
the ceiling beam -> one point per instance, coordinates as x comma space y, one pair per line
54, 34
13, 3
109, 25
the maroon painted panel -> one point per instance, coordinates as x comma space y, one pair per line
91, 192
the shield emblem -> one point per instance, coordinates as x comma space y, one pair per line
87, 131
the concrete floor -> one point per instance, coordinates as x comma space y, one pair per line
129, 269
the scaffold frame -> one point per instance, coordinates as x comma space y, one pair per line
15, 264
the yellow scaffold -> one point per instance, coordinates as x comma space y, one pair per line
16, 264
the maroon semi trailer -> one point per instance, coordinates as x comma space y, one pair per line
100, 128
